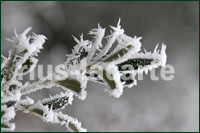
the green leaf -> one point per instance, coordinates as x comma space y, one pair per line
38, 111
2, 113
13, 87
70, 125
3, 125
102, 78
119, 53
7, 126
9, 103
134, 64
28, 65
57, 103
111, 49
23, 52
71, 84
73, 127
3, 73
111, 83
82, 53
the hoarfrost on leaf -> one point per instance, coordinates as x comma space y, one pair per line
114, 65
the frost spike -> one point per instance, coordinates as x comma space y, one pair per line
163, 55
77, 41
4, 58
10, 40
26, 31
155, 50
118, 24
15, 31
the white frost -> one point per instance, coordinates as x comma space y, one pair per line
85, 55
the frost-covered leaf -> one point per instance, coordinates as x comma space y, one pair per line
28, 65
79, 52
13, 87
24, 47
11, 98
128, 79
98, 34
142, 62
110, 83
58, 101
71, 84
7, 113
72, 124
111, 49
7, 126
94, 76
75, 84
134, 64
82, 53
118, 54
112, 42
3, 73
111, 77
9, 103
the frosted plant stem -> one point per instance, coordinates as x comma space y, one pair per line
70, 123
109, 65
8, 63
37, 86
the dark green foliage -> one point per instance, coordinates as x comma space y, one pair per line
27, 65
2, 113
23, 52
119, 53
3, 73
71, 84
111, 83
3, 125
83, 53
9, 103
56, 103
38, 111
134, 64
79, 56
73, 127
12, 87
112, 48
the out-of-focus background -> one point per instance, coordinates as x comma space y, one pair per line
149, 106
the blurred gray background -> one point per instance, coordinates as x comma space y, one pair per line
149, 106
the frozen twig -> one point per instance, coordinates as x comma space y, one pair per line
90, 60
